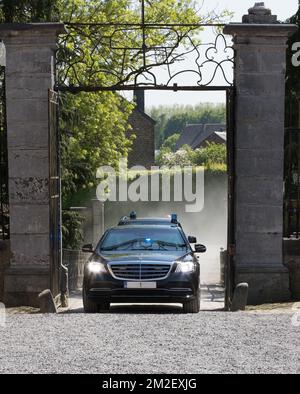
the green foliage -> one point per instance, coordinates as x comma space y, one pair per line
93, 130
210, 155
171, 142
171, 120
213, 156
72, 230
29, 10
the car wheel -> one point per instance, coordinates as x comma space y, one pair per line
192, 306
104, 307
88, 305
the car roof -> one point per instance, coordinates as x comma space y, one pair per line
143, 226
147, 221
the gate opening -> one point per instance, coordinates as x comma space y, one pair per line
213, 226
186, 58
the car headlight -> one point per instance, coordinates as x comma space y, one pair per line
96, 267
185, 266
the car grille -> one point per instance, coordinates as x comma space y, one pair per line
143, 271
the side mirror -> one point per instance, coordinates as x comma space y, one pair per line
192, 240
200, 248
88, 248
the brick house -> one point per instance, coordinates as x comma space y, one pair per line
143, 126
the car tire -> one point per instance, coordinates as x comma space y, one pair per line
103, 307
192, 306
88, 305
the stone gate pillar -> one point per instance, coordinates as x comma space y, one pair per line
260, 47
29, 75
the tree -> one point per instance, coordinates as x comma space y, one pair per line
29, 10
171, 142
93, 128
210, 155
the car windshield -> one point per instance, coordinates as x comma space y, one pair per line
144, 238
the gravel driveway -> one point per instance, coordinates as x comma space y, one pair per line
150, 339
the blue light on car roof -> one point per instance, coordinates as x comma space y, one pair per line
133, 215
174, 218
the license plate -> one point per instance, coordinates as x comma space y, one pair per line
140, 285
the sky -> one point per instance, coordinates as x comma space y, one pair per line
283, 9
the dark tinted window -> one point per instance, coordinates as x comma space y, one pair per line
144, 238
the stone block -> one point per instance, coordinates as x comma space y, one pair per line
272, 61
29, 190
262, 86
256, 135
240, 297
260, 60
263, 258
22, 286
259, 163
47, 304
21, 111
259, 190
30, 135
22, 60
246, 62
259, 219
29, 219
261, 245
257, 109
29, 87
259, 19
29, 163
27, 278
30, 250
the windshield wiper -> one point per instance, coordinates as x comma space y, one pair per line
162, 244
132, 241
170, 244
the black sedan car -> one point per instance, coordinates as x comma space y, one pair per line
142, 263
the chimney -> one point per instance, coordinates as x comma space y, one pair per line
139, 99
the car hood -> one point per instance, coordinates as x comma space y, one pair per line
142, 256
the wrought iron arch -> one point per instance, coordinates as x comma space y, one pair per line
142, 63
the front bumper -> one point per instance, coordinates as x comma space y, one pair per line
177, 288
